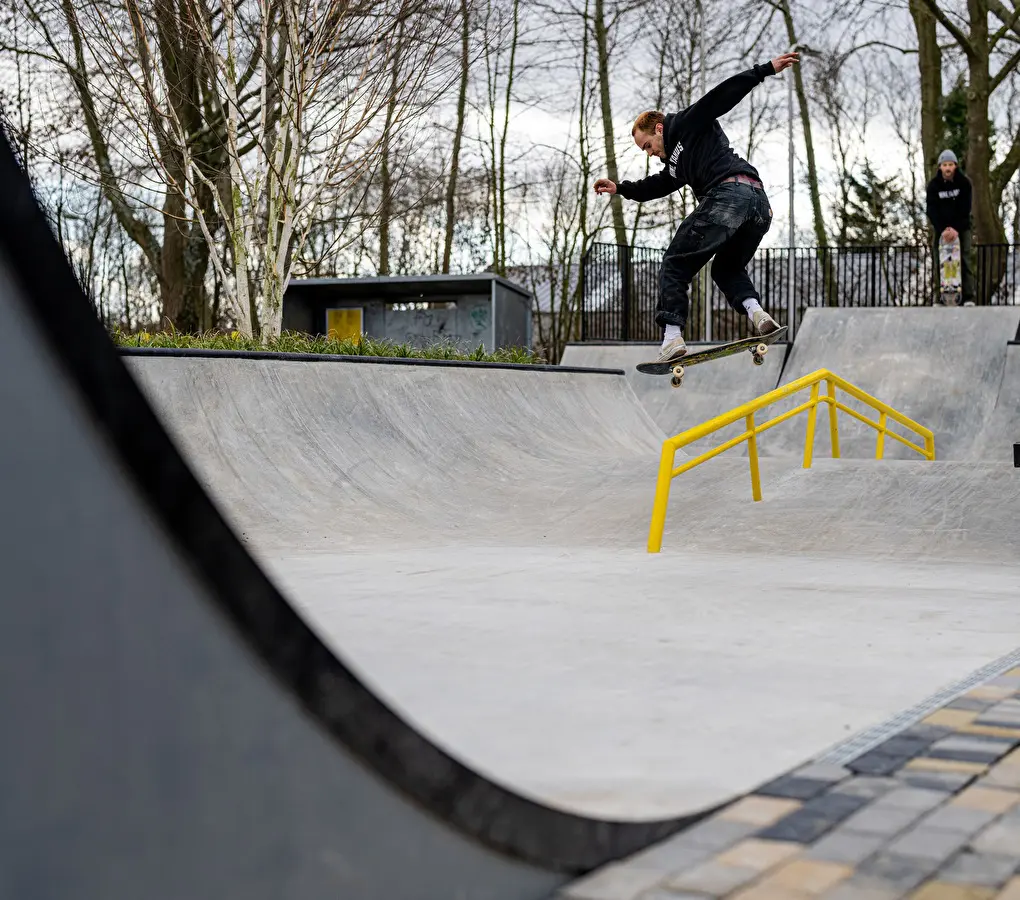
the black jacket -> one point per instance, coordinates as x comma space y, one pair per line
698, 152
948, 202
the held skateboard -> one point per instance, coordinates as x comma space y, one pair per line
950, 286
757, 346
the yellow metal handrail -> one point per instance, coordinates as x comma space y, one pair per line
746, 412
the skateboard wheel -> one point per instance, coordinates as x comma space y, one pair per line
676, 380
678, 371
759, 360
761, 349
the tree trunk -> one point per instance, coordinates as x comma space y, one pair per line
929, 66
386, 207
451, 187
987, 224
601, 43
805, 121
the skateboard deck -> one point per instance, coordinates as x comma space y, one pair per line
756, 346
951, 282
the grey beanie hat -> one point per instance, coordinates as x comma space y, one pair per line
948, 156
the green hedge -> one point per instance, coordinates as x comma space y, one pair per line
295, 342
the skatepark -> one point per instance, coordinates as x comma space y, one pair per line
315, 627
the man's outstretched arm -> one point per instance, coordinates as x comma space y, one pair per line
723, 97
651, 187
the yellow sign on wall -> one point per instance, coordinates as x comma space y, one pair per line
345, 323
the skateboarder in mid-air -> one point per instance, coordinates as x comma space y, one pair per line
733, 212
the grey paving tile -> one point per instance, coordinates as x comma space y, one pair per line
948, 782
867, 786
906, 744
872, 763
979, 868
932, 844
617, 881
670, 856
969, 704
970, 748
666, 894
882, 820
999, 838
890, 870
716, 834
959, 819
861, 888
1010, 681
814, 818
847, 847
929, 732
794, 787
713, 878
913, 798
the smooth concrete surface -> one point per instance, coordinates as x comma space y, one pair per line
624, 685
1002, 427
941, 367
508, 513
709, 389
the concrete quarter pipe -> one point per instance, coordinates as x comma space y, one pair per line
172, 727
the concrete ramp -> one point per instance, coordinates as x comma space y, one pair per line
940, 366
708, 390
1002, 427
172, 727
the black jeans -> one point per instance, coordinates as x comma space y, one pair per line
729, 224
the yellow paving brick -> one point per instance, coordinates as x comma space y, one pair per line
807, 876
941, 890
950, 718
1012, 890
759, 811
946, 765
990, 731
1014, 673
1011, 759
987, 799
990, 692
757, 854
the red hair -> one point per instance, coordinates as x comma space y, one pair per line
647, 121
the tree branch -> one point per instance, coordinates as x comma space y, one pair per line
1007, 67
960, 37
1010, 21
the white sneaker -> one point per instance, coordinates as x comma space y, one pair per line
672, 350
763, 323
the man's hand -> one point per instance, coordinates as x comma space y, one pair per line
605, 186
950, 234
785, 61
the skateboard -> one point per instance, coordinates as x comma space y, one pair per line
950, 286
757, 346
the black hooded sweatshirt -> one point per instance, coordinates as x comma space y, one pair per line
698, 152
948, 202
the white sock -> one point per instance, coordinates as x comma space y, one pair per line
672, 332
751, 305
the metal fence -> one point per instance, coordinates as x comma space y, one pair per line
620, 287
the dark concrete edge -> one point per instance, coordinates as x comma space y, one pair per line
248, 601
199, 353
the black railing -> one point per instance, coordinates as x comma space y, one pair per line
621, 286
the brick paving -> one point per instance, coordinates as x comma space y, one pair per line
931, 813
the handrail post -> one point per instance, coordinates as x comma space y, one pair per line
661, 501
880, 447
833, 429
752, 455
812, 417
